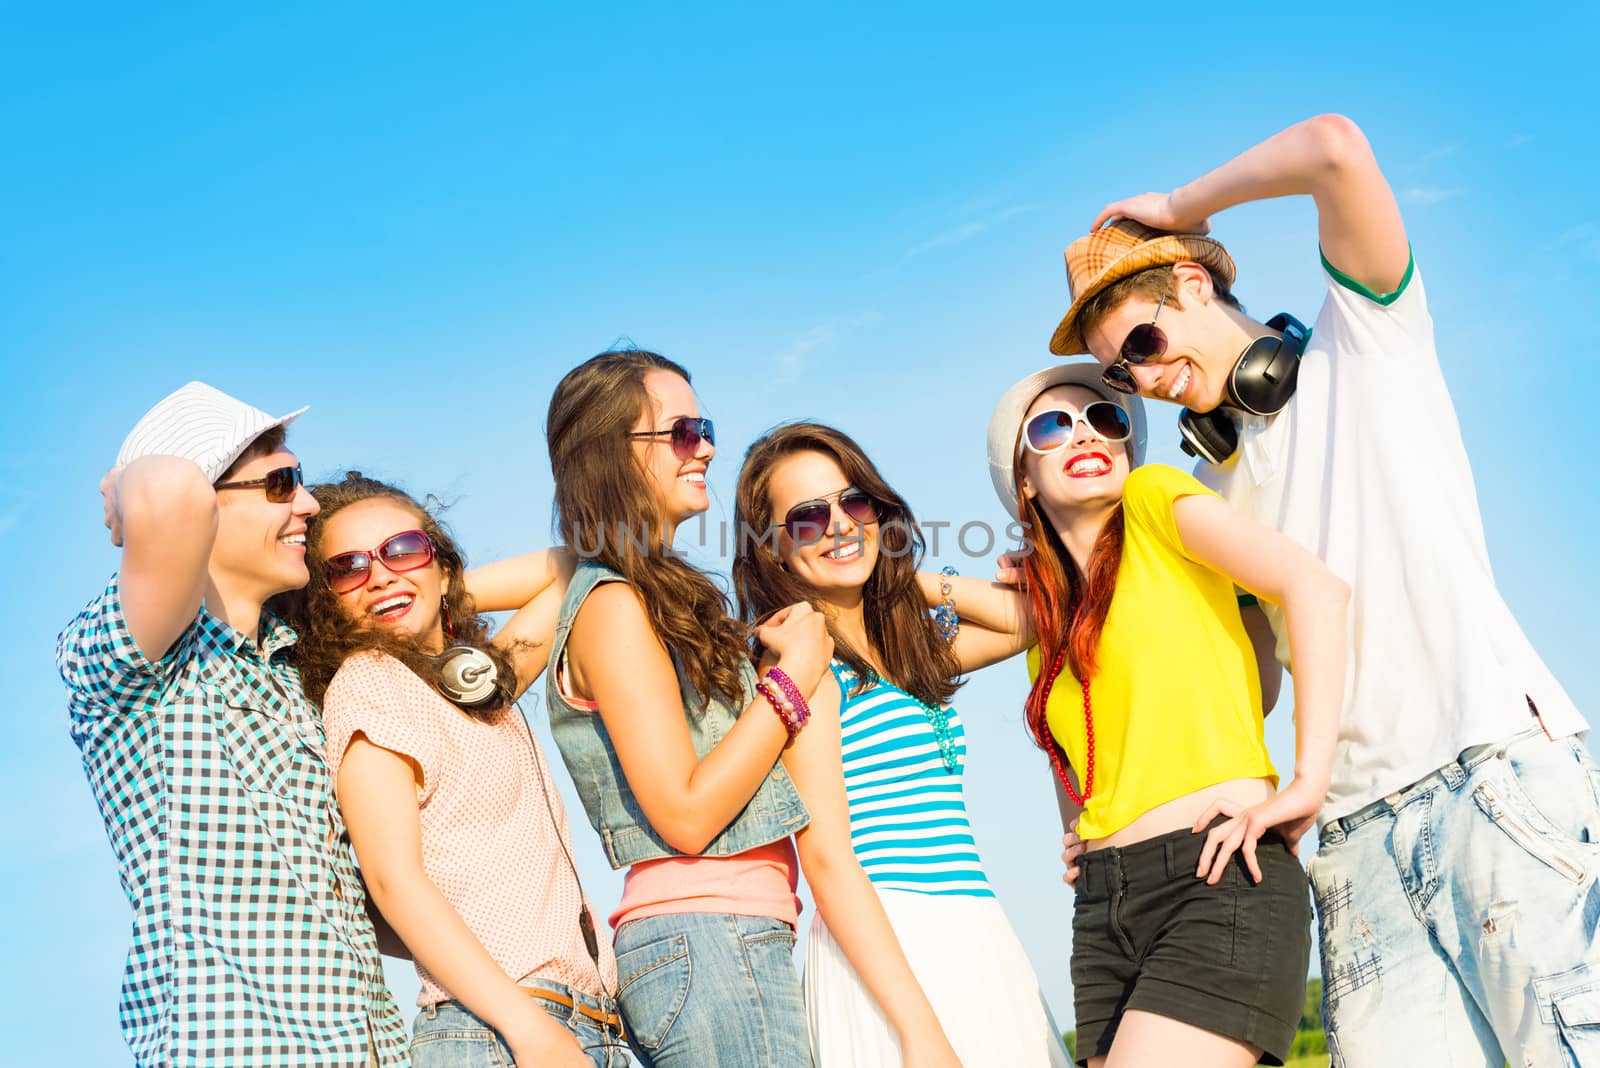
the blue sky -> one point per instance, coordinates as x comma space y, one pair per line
417, 222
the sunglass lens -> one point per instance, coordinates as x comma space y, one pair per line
687, 435
347, 571
280, 484
1119, 378
1145, 342
1048, 431
859, 506
406, 552
1108, 420
807, 523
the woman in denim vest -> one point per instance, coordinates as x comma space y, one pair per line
674, 739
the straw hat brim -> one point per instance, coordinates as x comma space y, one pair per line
1157, 252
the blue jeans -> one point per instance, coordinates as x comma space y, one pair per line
1459, 915
709, 990
449, 1035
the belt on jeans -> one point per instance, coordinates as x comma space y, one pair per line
1454, 773
605, 1019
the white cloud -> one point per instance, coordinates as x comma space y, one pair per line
1426, 195
949, 237
972, 229
792, 361
1020, 209
1584, 239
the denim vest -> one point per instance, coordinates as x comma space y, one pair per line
774, 813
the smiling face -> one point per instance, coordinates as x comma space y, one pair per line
1087, 472
406, 602
1202, 341
260, 548
678, 483
840, 556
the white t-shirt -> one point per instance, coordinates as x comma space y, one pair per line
1366, 468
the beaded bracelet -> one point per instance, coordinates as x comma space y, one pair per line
777, 706
802, 711
944, 617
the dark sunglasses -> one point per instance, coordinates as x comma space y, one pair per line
807, 521
687, 432
406, 551
1055, 429
1144, 343
280, 484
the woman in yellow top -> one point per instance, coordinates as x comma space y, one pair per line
1191, 929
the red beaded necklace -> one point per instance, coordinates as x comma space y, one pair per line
1058, 756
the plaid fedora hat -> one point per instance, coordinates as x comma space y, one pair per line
1125, 247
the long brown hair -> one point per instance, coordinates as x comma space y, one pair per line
1068, 608
904, 638
606, 512
328, 637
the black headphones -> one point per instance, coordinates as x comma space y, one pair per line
1261, 383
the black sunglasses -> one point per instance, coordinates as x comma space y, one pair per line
280, 484
807, 521
1144, 343
687, 432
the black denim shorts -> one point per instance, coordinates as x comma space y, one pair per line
1148, 935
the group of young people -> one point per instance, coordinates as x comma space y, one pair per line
303, 733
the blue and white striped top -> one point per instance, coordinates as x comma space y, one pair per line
908, 818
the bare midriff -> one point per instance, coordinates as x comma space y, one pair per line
1181, 812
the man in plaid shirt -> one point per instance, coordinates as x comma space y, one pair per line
251, 944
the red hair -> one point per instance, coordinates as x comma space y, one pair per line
1068, 609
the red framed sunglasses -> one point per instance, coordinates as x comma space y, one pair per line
405, 551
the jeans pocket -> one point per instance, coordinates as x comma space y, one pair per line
653, 985
1509, 809
460, 1047
1571, 1001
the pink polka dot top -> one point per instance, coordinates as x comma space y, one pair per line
488, 842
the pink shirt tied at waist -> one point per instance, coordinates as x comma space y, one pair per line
488, 839
757, 882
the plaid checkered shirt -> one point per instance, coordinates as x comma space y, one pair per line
251, 944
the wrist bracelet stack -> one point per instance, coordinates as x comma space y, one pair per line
945, 619
792, 707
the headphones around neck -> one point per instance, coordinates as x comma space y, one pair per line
467, 677
1261, 383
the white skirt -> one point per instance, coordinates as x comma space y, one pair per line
972, 968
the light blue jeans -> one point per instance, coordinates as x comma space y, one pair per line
710, 990
1459, 915
449, 1035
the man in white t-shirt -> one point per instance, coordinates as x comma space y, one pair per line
1456, 876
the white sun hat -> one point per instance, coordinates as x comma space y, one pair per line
200, 423
1006, 423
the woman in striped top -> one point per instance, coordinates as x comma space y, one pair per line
819, 524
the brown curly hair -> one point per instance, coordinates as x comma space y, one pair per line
606, 512
328, 637
904, 637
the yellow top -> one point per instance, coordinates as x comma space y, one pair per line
1176, 693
